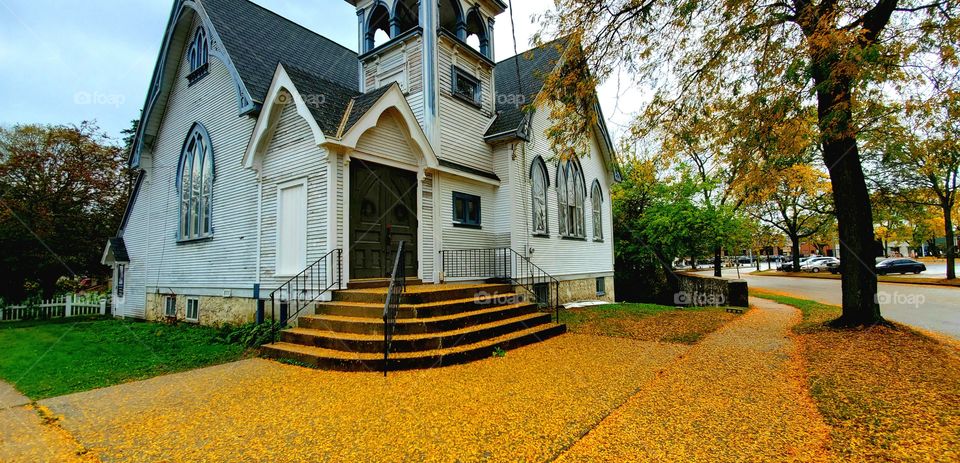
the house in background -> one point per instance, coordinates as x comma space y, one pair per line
266, 150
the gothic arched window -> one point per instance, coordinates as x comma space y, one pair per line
571, 196
596, 200
539, 182
195, 183
199, 50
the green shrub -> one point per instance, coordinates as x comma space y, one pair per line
249, 335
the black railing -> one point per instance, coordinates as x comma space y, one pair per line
398, 286
305, 288
503, 264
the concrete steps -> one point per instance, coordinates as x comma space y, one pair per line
436, 325
356, 361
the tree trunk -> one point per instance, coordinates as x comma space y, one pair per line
717, 264
950, 242
850, 195
795, 251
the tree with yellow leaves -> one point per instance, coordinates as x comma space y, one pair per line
830, 54
798, 204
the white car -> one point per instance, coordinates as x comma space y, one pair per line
818, 264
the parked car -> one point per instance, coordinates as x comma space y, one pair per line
818, 264
834, 267
787, 265
901, 266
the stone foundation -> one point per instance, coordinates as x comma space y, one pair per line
585, 290
213, 311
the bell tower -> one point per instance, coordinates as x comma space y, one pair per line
440, 52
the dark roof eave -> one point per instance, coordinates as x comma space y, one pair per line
469, 170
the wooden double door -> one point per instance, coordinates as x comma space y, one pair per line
383, 212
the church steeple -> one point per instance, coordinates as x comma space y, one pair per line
434, 49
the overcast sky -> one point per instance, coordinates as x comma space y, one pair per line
65, 61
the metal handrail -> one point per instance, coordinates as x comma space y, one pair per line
305, 288
503, 264
398, 286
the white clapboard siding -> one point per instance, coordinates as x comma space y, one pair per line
468, 238
462, 125
561, 257
427, 248
227, 261
293, 155
389, 140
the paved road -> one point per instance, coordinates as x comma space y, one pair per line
933, 308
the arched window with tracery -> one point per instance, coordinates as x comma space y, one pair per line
571, 195
195, 183
539, 182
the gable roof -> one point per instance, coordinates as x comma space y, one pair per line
534, 65
259, 39
326, 100
362, 104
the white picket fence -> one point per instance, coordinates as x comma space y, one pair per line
61, 307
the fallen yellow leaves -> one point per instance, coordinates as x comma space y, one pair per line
666, 324
889, 394
31, 434
739, 395
527, 406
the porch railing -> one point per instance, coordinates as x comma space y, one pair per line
305, 288
503, 264
398, 286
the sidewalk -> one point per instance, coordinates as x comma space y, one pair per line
24, 437
739, 395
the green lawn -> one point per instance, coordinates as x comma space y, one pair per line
647, 322
52, 358
815, 314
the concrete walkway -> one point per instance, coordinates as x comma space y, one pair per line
25, 437
740, 395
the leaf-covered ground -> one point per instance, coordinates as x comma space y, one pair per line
647, 322
737, 396
526, 406
889, 394
51, 358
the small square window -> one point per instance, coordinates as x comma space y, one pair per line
601, 286
170, 306
466, 209
466, 86
193, 310
541, 291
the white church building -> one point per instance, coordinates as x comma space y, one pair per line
266, 150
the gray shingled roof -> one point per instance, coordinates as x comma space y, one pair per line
119, 248
535, 65
362, 104
327, 100
257, 39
